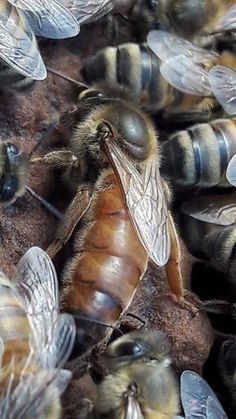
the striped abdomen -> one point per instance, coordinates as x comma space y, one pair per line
103, 276
14, 325
137, 68
199, 155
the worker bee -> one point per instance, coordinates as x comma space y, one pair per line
198, 399
120, 203
136, 69
202, 155
193, 21
140, 382
227, 364
20, 60
36, 340
208, 228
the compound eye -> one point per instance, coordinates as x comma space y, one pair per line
131, 349
9, 189
91, 93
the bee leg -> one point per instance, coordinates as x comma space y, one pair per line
174, 275
59, 159
70, 219
45, 203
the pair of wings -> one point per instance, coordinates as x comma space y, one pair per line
197, 397
184, 67
214, 209
52, 337
22, 20
145, 200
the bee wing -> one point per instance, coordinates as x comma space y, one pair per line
215, 209
29, 397
87, 11
48, 18
223, 83
195, 394
18, 47
133, 410
228, 23
166, 45
231, 171
182, 73
53, 334
145, 200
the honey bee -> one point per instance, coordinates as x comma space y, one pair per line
198, 399
209, 230
202, 155
20, 60
137, 69
194, 20
121, 204
36, 340
227, 364
140, 382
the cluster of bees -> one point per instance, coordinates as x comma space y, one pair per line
123, 180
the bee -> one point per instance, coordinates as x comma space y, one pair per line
198, 399
201, 156
36, 340
194, 20
136, 68
208, 228
20, 60
120, 204
140, 382
227, 364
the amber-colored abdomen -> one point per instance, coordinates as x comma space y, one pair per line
110, 260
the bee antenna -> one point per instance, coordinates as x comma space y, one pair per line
45, 203
65, 77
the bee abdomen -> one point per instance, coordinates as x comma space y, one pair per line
110, 262
199, 156
220, 247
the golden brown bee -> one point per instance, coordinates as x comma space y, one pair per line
35, 340
13, 172
140, 382
112, 165
199, 156
208, 228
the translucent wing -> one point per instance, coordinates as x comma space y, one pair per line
145, 200
185, 75
228, 23
195, 394
48, 18
133, 410
29, 397
215, 209
18, 47
223, 83
214, 409
87, 11
231, 171
53, 334
166, 45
